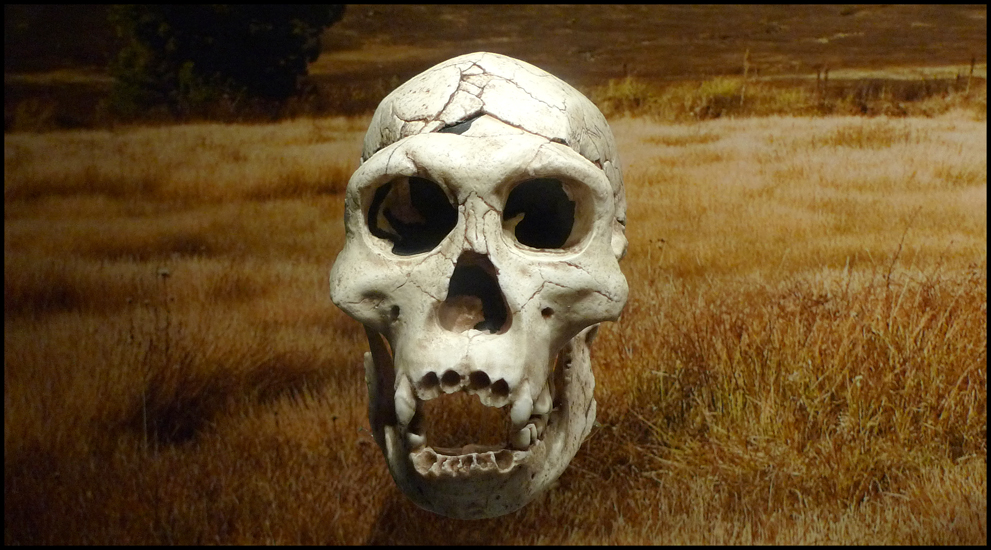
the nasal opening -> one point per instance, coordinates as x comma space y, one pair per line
474, 299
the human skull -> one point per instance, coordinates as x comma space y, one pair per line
484, 231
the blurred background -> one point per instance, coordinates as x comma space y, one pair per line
56, 57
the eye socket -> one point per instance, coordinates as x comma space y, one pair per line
413, 213
540, 214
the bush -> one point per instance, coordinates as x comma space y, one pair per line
188, 57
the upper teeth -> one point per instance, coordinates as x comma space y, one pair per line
528, 414
405, 401
415, 440
528, 417
543, 404
521, 411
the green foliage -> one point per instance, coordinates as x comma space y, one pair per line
191, 56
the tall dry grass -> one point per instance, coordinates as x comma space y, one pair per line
195, 162
888, 93
802, 360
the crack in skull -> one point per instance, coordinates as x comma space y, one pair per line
502, 304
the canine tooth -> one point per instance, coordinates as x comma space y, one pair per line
520, 412
521, 439
544, 401
415, 440
405, 402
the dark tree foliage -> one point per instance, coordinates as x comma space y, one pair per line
185, 56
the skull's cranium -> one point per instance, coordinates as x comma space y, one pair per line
484, 231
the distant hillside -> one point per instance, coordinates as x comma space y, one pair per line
587, 44
55, 57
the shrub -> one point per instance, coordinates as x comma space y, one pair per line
191, 56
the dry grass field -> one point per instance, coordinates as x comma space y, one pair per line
803, 358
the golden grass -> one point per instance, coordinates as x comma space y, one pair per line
887, 93
196, 162
802, 359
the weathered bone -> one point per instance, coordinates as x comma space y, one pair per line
484, 231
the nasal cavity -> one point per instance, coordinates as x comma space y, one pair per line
474, 299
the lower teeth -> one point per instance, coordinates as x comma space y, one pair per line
521, 439
429, 462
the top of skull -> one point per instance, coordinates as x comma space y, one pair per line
516, 93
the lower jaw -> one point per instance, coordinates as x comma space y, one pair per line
465, 483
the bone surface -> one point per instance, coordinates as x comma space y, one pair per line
484, 230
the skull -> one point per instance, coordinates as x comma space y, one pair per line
484, 231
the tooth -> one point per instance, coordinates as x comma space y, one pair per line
485, 461
539, 423
437, 468
415, 440
504, 460
424, 460
521, 439
450, 466
544, 401
520, 412
405, 402
532, 430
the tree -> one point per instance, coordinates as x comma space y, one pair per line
185, 56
